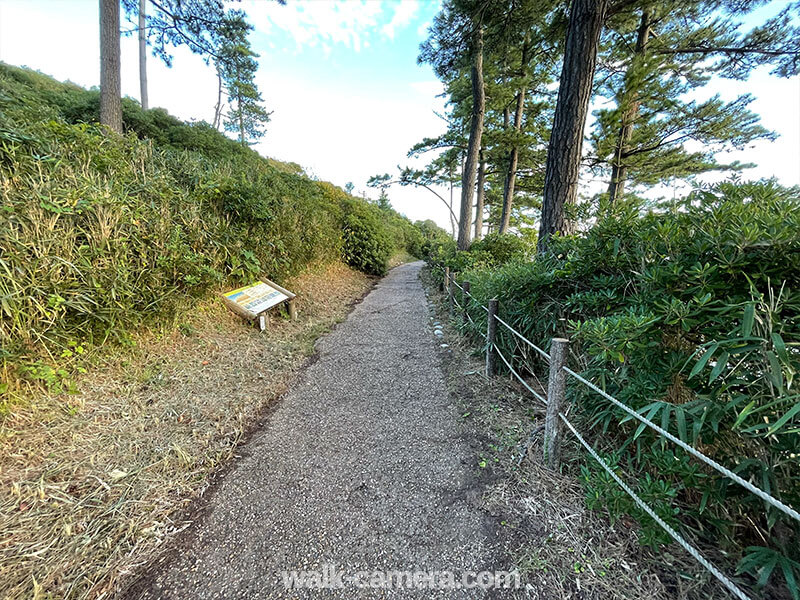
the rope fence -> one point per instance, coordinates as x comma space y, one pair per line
690, 449
694, 552
535, 394
556, 387
525, 340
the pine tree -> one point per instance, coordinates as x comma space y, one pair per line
236, 68
642, 140
172, 23
110, 79
586, 21
510, 154
142, 34
456, 42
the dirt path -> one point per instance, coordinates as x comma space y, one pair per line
361, 467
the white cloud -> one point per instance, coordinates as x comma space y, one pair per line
404, 12
346, 22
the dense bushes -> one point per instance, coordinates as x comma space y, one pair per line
366, 240
100, 233
691, 315
493, 250
429, 239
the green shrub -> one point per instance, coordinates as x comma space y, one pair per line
367, 245
491, 251
690, 314
428, 236
495, 249
101, 233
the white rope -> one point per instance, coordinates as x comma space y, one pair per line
538, 396
483, 335
544, 354
691, 450
485, 308
734, 589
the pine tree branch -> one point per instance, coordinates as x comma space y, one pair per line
727, 50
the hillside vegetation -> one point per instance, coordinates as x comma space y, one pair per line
689, 313
102, 233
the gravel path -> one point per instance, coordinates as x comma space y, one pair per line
362, 466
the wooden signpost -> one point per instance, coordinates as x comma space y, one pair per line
253, 301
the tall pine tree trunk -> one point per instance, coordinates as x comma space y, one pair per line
481, 194
566, 138
240, 107
110, 86
474, 145
619, 170
218, 106
143, 55
513, 157
511, 173
452, 220
241, 125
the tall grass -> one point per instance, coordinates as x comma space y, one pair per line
689, 313
102, 233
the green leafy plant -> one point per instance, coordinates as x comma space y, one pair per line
100, 234
688, 312
762, 563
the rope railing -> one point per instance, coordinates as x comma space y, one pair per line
690, 449
553, 406
486, 309
536, 395
544, 354
694, 552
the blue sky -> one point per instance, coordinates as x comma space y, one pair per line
348, 97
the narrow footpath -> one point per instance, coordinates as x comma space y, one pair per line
361, 467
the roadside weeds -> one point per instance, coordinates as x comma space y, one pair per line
91, 485
561, 549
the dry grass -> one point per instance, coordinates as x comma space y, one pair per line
92, 484
562, 549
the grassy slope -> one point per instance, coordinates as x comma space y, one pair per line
92, 484
125, 240
101, 234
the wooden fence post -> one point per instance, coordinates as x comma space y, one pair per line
556, 391
446, 281
450, 298
491, 333
465, 301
